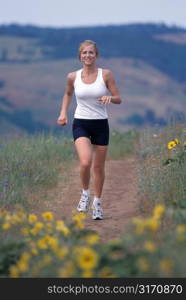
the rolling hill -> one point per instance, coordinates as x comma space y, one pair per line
150, 74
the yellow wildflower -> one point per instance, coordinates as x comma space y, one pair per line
66, 231
87, 258
140, 225
184, 143
32, 218
60, 226
22, 265
39, 225
36, 229
13, 272
42, 243
150, 246
34, 251
166, 266
80, 225
25, 256
171, 145
176, 141
79, 217
6, 226
87, 274
25, 230
16, 219
152, 224
48, 216
181, 228
92, 239
52, 242
158, 211
8, 217
49, 227
143, 264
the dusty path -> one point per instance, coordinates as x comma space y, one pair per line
119, 198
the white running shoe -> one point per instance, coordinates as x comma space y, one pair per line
84, 202
97, 213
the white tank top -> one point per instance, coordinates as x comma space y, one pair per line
88, 107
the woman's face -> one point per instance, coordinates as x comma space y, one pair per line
88, 55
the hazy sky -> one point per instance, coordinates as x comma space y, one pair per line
59, 13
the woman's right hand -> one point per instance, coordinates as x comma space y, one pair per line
62, 120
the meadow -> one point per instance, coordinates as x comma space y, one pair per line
35, 245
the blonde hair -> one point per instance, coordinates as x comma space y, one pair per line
85, 43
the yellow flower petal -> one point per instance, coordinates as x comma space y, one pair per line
32, 218
6, 226
171, 145
48, 216
87, 258
143, 264
150, 246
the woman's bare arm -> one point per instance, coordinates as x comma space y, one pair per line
111, 85
63, 119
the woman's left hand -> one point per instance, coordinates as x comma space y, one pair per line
105, 99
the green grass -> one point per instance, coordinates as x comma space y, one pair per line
33, 163
30, 164
122, 144
162, 171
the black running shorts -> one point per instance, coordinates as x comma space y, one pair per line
96, 130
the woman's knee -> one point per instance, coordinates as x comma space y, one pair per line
85, 164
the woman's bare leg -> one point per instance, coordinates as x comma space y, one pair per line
85, 152
100, 153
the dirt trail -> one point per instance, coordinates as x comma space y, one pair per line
119, 198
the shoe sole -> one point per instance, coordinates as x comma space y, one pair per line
81, 210
97, 218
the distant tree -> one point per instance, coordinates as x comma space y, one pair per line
19, 49
2, 83
149, 119
4, 54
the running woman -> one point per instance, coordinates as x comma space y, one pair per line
94, 89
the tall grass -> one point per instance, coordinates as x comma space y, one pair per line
31, 163
162, 171
122, 144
